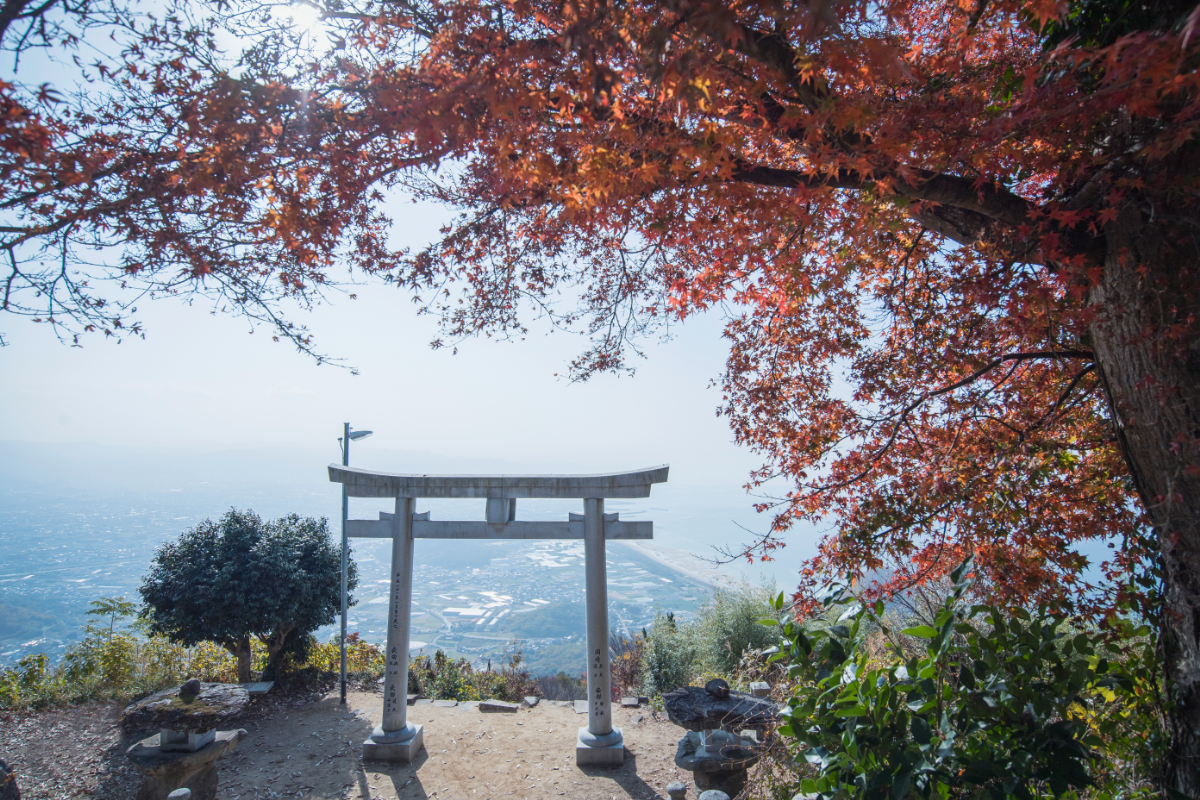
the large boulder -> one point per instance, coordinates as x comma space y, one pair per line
192, 708
8, 783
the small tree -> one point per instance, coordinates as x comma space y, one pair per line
240, 577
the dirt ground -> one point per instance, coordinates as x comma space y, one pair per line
310, 747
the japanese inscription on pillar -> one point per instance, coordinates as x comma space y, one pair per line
599, 701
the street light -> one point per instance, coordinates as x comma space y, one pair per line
348, 436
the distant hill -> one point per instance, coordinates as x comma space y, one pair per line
549, 621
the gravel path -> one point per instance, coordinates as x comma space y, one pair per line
310, 746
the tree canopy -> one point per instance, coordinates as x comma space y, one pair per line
239, 577
956, 240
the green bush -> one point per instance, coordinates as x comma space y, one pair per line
442, 678
669, 657
727, 625
1007, 705
676, 653
117, 660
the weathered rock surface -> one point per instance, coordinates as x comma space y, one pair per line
498, 705
8, 783
216, 704
166, 771
695, 709
718, 688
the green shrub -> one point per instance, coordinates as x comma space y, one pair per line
1007, 705
363, 659
669, 657
442, 678
676, 653
727, 625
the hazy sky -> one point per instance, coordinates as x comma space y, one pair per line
200, 382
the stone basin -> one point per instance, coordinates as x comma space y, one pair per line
694, 708
215, 704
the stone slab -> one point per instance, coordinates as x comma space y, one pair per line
258, 687
445, 703
412, 698
423, 701
581, 706
629, 702
492, 706
404, 752
530, 701
586, 755
760, 689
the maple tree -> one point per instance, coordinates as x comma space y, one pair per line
957, 240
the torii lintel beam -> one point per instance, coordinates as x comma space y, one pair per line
364, 483
425, 529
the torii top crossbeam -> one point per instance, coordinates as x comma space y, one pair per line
364, 483
395, 738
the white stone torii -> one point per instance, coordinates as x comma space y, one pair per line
397, 739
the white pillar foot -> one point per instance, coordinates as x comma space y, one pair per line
383, 745
591, 749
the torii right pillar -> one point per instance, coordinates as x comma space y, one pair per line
599, 742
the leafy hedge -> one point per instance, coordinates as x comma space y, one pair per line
999, 703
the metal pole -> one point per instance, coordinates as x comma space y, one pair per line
345, 551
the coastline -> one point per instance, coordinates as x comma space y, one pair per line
685, 564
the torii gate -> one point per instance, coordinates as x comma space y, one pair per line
398, 740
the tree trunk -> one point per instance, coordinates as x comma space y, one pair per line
245, 659
276, 644
1146, 345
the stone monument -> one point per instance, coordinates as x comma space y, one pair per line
185, 751
398, 740
714, 749
8, 783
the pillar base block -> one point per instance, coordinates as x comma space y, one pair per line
404, 751
603, 754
